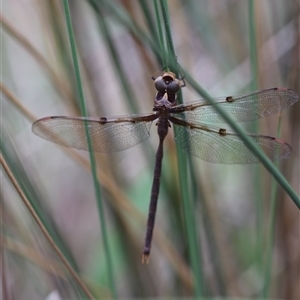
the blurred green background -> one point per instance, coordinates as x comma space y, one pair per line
246, 228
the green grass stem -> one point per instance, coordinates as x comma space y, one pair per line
193, 248
91, 154
259, 207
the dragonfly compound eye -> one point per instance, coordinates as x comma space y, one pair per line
160, 84
173, 87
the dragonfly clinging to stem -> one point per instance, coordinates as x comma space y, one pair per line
192, 133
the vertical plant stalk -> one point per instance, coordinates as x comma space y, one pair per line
104, 28
43, 228
91, 154
259, 208
194, 251
160, 36
253, 45
270, 233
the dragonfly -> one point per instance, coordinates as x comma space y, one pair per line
192, 130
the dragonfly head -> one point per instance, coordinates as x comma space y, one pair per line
167, 82
167, 86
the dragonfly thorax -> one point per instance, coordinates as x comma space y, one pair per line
163, 125
164, 100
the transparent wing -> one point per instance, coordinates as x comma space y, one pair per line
218, 145
242, 108
107, 134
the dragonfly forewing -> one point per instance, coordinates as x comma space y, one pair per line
244, 108
111, 134
219, 145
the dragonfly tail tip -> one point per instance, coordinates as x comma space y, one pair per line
145, 258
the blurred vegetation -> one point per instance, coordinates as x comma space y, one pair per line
246, 228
